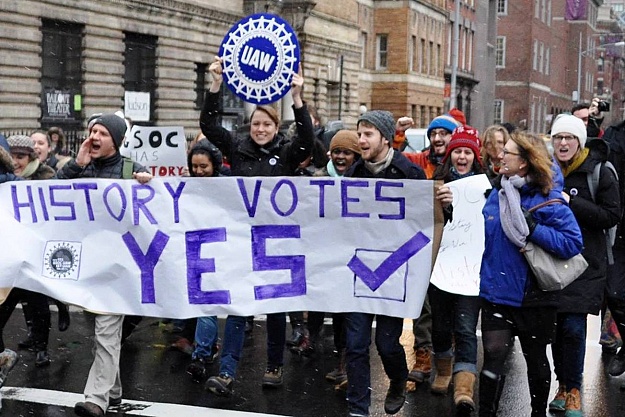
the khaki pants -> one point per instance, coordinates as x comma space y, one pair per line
104, 381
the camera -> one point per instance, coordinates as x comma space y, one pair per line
603, 106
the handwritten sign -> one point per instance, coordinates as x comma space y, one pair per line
160, 149
137, 106
260, 55
187, 247
457, 267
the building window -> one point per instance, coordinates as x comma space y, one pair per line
502, 7
413, 53
61, 74
200, 83
498, 112
535, 56
537, 9
140, 67
422, 57
547, 63
363, 49
382, 52
431, 63
500, 52
438, 59
541, 57
423, 120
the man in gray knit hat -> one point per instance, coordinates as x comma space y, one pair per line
376, 130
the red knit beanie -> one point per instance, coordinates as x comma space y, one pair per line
457, 114
465, 136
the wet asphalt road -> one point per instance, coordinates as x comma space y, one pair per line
152, 372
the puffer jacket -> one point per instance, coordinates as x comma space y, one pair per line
111, 167
585, 294
280, 157
505, 277
6, 166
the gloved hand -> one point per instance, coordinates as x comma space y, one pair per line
531, 223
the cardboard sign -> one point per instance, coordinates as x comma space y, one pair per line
137, 106
162, 150
260, 55
189, 247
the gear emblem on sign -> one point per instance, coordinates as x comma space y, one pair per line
260, 54
62, 260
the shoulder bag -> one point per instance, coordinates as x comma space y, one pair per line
552, 273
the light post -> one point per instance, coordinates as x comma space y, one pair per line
579, 62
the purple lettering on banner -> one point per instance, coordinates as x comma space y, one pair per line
250, 207
277, 187
345, 199
176, 196
196, 266
86, 186
44, 207
373, 279
146, 262
17, 205
401, 201
262, 262
139, 204
122, 197
322, 194
68, 204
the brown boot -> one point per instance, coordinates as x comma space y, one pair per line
441, 382
422, 366
464, 382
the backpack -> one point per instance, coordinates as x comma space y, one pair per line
127, 167
593, 185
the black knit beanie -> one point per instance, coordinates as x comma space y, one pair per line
114, 124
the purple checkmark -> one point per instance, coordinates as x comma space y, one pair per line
373, 279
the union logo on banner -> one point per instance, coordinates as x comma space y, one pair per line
260, 54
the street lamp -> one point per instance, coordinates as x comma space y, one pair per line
579, 62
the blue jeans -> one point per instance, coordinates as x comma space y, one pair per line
569, 349
276, 339
454, 317
234, 336
206, 332
358, 336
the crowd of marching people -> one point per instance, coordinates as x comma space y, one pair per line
562, 199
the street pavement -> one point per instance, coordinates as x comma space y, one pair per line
156, 384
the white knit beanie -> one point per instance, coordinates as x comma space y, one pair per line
567, 123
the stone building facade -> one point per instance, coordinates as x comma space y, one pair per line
68, 59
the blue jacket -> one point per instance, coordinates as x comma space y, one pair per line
505, 275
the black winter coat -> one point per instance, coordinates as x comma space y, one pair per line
400, 168
280, 157
111, 167
614, 136
585, 294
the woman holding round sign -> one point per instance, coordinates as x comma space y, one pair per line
264, 151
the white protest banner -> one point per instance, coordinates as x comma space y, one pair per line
457, 267
186, 247
162, 150
260, 54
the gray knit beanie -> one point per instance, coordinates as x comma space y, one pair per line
382, 120
114, 124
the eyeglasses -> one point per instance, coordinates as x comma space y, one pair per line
564, 138
440, 132
507, 152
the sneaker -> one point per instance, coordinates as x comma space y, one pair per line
423, 365
115, 402
306, 347
42, 359
617, 365
273, 376
296, 336
559, 401
395, 397
197, 370
573, 406
88, 409
220, 385
336, 376
8, 359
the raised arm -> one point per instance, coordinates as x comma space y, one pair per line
209, 116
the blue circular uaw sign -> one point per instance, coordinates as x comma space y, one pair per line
260, 54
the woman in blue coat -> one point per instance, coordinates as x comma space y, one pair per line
512, 302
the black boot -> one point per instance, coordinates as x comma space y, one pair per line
63, 316
490, 393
